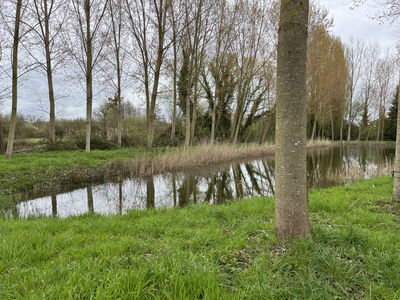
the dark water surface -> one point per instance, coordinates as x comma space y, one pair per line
326, 167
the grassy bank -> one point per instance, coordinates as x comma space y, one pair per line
208, 252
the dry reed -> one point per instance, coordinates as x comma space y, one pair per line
186, 160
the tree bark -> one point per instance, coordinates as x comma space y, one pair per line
13, 121
291, 207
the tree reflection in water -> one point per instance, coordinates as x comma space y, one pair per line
326, 167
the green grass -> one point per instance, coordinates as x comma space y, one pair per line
209, 252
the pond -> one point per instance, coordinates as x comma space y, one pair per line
327, 167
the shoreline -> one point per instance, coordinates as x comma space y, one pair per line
25, 177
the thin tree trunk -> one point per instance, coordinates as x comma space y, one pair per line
349, 125
341, 129
2, 144
89, 76
332, 126
187, 121
49, 71
291, 207
194, 113
314, 129
175, 78
379, 129
13, 121
213, 120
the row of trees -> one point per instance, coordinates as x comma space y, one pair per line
213, 63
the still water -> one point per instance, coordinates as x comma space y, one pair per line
218, 185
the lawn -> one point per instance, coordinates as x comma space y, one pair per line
211, 252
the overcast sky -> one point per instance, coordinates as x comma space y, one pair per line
359, 23
356, 23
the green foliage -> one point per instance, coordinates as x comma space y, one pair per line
210, 252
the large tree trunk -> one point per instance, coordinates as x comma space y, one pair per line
13, 121
396, 188
291, 207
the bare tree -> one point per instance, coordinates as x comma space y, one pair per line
250, 52
49, 17
291, 208
89, 32
354, 58
194, 40
148, 25
384, 75
368, 90
13, 16
115, 74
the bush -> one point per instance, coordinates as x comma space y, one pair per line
79, 143
96, 143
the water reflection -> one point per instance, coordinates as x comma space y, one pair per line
326, 167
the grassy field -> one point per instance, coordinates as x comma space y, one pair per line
208, 252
